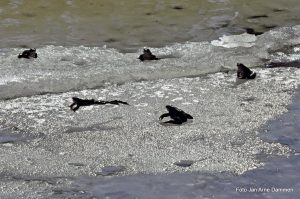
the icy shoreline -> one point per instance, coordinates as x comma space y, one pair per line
45, 147
222, 137
278, 178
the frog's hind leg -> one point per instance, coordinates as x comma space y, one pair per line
164, 115
189, 116
174, 121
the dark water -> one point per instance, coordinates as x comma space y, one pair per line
129, 25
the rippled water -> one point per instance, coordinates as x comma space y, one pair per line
128, 25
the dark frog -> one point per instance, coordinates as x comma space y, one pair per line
147, 55
27, 54
77, 103
244, 72
178, 116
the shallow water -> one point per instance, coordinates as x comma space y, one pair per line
128, 25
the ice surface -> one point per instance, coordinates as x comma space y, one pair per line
278, 178
222, 136
233, 41
62, 69
58, 145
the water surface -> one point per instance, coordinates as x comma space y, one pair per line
129, 25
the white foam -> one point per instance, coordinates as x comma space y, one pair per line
141, 105
177, 99
5, 80
296, 49
233, 41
